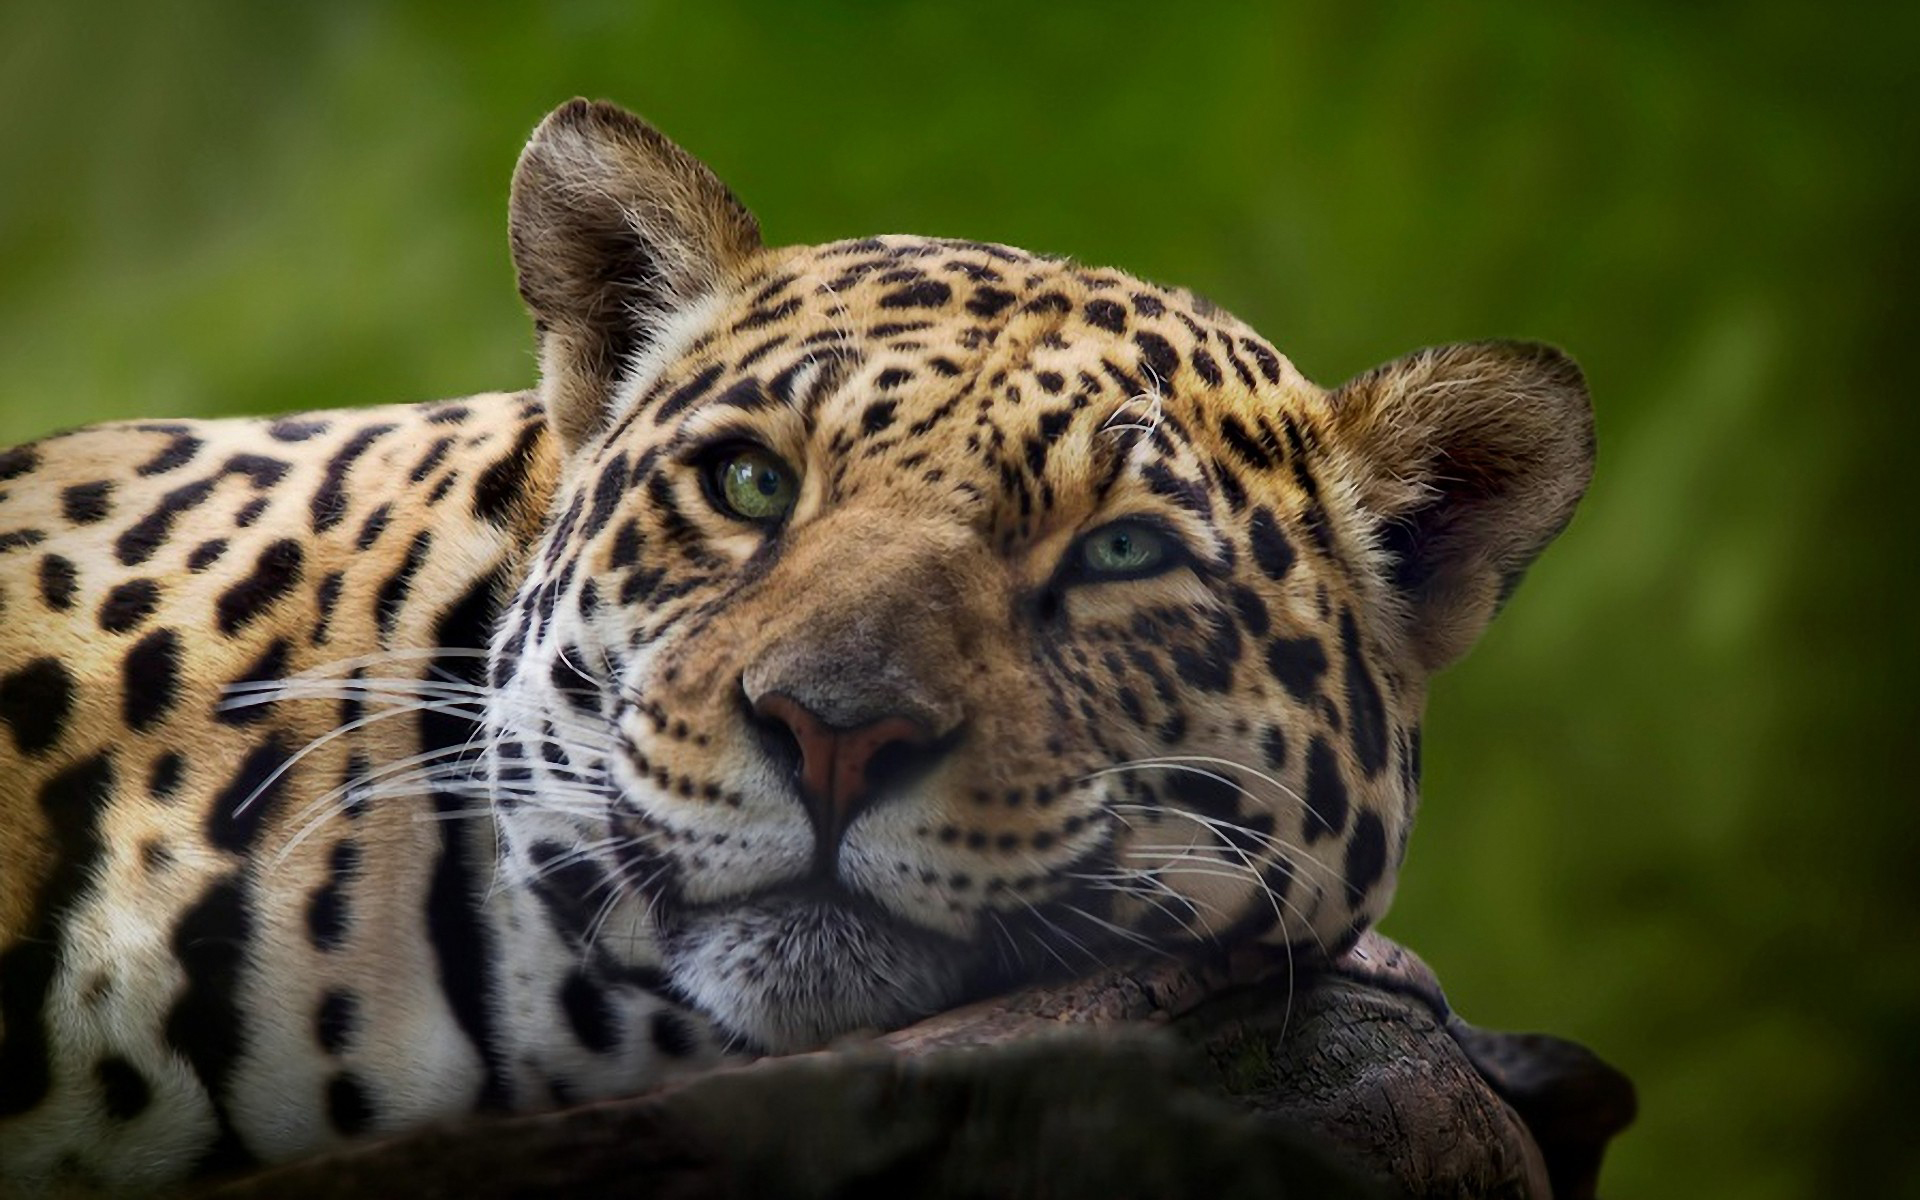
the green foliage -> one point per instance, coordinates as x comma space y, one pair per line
1662, 812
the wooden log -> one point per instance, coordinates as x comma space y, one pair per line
1232, 1077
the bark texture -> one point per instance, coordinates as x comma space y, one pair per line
1235, 1077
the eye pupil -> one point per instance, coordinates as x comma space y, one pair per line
769, 482
1122, 546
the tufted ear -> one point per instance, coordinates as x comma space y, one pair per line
614, 229
1472, 457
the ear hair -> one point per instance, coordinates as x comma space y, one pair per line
614, 229
1472, 458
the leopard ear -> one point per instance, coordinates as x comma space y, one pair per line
1471, 457
615, 229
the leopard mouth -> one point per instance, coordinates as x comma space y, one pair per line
795, 967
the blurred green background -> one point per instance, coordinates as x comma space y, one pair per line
1666, 812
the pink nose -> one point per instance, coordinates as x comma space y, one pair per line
834, 761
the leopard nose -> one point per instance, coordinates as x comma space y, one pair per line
838, 775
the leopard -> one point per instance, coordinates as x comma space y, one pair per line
834, 635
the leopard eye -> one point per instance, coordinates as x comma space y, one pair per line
1127, 550
753, 484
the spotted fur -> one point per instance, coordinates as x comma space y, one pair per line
368, 767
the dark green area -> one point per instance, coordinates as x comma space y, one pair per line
1663, 809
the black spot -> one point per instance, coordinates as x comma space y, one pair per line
1273, 744
1271, 549
206, 554
292, 430
333, 1023
58, 578
128, 605
454, 929
325, 598
154, 855
574, 685
927, 293
391, 598
1239, 367
878, 416
1182, 491
71, 803
21, 539
85, 503
348, 1105
672, 1036
164, 780
1252, 610
249, 798
1053, 424
1157, 355
122, 1087
329, 503
588, 1012
1267, 360
1106, 314
1209, 793
1366, 856
989, 301
275, 574
260, 470
1326, 793
1206, 368
327, 907
137, 543
1298, 663
353, 804
1365, 710
246, 701
502, 486
767, 316
177, 453
607, 493
17, 462
687, 393
150, 679
435, 455
207, 1025
1051, 382
452, 414
34, 703
250, 512
1243, 443
373, 527
1209, 666
627, 545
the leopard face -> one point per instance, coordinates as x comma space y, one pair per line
917, 616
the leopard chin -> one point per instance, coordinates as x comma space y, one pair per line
793, 970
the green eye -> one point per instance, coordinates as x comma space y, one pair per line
1125, 549
754, 485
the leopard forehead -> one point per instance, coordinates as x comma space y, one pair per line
879, 328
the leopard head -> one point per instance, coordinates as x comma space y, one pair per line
917, 615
